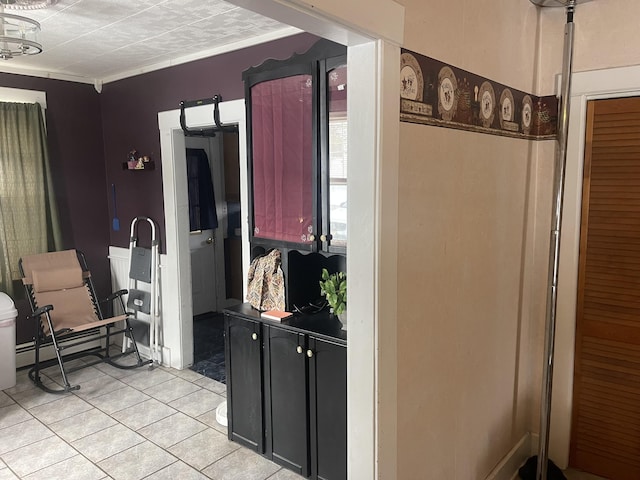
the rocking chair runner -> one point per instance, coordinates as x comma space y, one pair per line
65, 307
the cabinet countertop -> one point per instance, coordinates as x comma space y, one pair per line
320, 324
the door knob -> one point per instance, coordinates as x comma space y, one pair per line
299, 349
254, 336
210, 240
309, 353
323, 238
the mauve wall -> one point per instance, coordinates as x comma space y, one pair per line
130, 120
90, 135
74, 133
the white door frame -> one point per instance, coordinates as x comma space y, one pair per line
591, 85
176, 276
373, 30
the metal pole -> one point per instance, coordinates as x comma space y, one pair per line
554, 253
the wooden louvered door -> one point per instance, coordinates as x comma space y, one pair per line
605, 437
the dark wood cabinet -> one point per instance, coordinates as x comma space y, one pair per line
328, 402
243, 355
303, 390
286, 399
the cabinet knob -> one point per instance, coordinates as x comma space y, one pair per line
309, 353
323, 238
312, 238
254, 336
299, 349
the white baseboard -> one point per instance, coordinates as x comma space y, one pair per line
508, 467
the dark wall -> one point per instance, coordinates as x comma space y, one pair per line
130, 120
74, 134
90, 134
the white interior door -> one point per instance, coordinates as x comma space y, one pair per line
203, 279
207, 246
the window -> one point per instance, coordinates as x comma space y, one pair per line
28, 215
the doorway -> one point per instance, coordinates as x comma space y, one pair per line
606, 419
586, 86
215, 229
372, 371
213, 187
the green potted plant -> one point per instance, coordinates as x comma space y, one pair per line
334, 288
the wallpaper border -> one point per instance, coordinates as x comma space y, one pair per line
436, 93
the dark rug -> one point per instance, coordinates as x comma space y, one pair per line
208, 346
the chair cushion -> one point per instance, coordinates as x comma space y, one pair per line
57, 279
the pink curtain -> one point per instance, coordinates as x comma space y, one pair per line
282, 130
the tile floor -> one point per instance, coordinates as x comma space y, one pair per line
123, 425
208, 346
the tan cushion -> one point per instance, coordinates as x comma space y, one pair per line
60, 278
72, 308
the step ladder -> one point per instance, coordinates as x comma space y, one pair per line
144, 292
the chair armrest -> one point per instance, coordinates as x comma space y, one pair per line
41, 310
115, 295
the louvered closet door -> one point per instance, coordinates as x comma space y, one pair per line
606, 410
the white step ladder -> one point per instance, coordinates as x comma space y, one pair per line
144, 291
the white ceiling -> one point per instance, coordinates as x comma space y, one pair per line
97, 41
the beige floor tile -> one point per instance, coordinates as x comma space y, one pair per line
54, 370
74, 468
172, 430
192, 452
12, 414
79, 377
173, 389
197, 403
21, 434
186, 374
144, 378
82, 425
177, 471
144, 414
284, 474
108, 442
38, 455
67, 406
7, 474
213, 385
99, 386
209, 419
116, 372
77, 370
137, 462
118, 400
242, 464
32, 397
5, 400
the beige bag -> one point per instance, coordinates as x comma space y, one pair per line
265, 289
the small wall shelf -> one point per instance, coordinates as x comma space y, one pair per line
150, 165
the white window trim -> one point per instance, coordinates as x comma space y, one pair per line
19, 95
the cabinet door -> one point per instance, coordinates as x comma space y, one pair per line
287, 400
282, 152
243, 355
334, 156
328, 391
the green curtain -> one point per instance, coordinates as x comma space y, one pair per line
28, 214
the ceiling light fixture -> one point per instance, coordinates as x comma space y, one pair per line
18, 34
